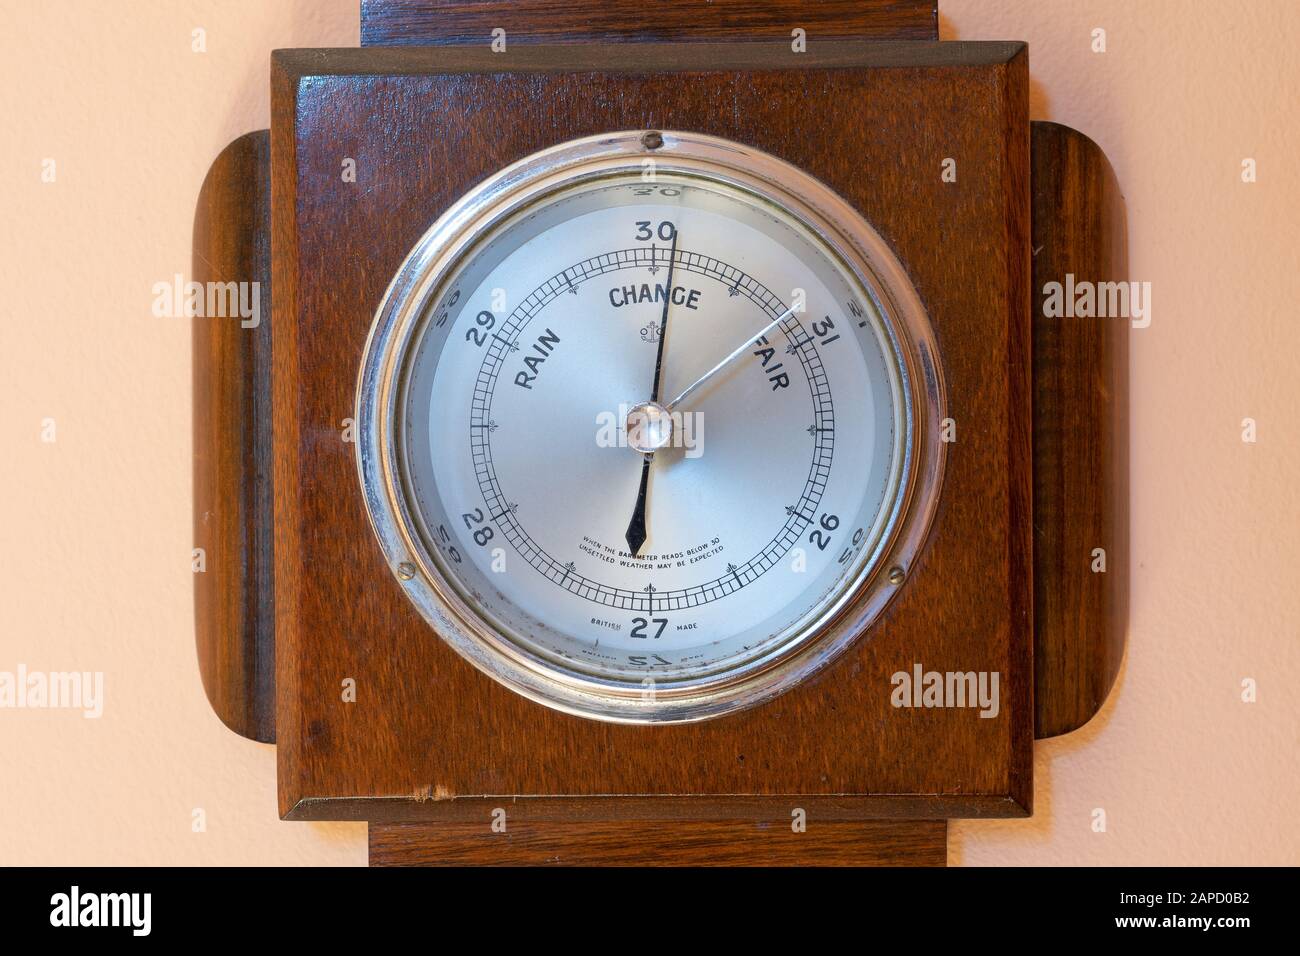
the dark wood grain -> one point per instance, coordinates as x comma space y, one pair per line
641, 843
233, 607
405, 22
1080, 435
430, 804
874, 121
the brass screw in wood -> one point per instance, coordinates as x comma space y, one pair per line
896, 575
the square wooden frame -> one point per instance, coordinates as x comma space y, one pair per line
429, 738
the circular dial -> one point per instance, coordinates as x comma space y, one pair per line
649, 431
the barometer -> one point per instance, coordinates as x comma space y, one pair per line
641, 416
657, 451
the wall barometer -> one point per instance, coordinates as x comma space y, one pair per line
656, 419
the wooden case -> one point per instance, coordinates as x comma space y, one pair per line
431, 739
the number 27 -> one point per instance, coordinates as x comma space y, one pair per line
639, 625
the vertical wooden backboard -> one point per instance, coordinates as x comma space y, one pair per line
433, 22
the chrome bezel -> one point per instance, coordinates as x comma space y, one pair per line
420, 280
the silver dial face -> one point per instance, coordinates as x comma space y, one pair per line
650, 432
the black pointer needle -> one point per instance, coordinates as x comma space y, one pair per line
636, 534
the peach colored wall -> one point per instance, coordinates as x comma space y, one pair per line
95, 526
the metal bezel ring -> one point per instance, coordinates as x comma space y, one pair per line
437, 256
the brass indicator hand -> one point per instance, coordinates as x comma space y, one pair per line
743, 347
636, 533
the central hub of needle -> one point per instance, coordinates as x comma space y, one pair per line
649, 428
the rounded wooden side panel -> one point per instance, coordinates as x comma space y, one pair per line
233, 606
1081, 554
